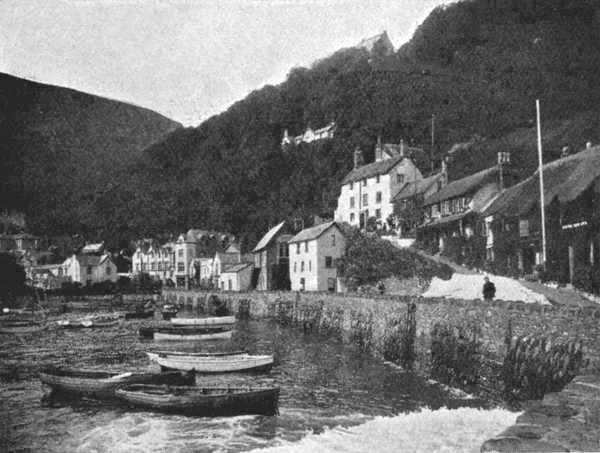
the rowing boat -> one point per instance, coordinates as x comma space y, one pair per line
102, 384
20, 327
211, 363
139, 314
199, 322
201, 401
186, 333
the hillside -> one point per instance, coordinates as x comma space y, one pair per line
477, 65
65, 153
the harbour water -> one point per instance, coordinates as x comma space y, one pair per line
333, 398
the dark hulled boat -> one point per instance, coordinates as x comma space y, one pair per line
201, 401
102, 384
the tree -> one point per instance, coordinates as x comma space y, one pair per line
12, 278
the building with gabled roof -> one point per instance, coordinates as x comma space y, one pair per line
381, 40
313, 257
236, 277
271, 259
367, 190
89, 269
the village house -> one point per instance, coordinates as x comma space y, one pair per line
20, 242
368, 190
453, 214
408, 202
310, 135
572, 211
48, 276
88, 269
236, 277
381, 41
271, 259
313, 256
154, 259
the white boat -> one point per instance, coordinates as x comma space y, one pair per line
211, 363
200, 322
185, 336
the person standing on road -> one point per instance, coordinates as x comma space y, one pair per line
489, 290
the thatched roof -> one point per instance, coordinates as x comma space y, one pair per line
463, 186
564, 180
412, 188
371, 170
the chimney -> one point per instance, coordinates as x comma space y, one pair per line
444, 170
358, 157
402, 147
565, 151
503, 160
588, 145
378, 149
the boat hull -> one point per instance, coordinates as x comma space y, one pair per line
213, 321
200, 401
20, 327
102, 385
184, 336
139, 314
213, 363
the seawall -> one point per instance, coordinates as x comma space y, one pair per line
492, 319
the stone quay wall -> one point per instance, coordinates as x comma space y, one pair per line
492, 319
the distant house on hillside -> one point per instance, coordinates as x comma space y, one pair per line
93, 249
90, 269
20, 242
368, 190
455, 210
572, 208
271, 259
310, 135
49, 276
313, 255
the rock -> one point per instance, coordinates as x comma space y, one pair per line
525, 431
514, 444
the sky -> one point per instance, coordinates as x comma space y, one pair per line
187, 59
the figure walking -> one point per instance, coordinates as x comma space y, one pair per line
489, 290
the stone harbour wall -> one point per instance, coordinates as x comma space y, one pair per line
492, 319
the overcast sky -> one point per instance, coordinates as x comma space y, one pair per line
187, 59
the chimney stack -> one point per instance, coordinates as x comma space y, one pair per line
565, 151
444, 170
588, 145
503, 160
358, 157
378, 149
402, 147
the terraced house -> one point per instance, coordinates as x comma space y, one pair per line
368, 190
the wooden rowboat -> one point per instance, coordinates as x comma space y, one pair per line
215, 320
21, 327
102, 384
186, 332
201, 401
139, 314
212, 363
85, 323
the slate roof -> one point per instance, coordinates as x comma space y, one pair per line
93, 248
373, 169
228, 258
462, 186
309, 234
564, 179
91, 260
236, 268
267, 238
413, 188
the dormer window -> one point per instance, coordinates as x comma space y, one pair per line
400, 178
364, 182
351, 185
377, 179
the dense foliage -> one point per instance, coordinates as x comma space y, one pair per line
477, 65
12, 278
369, 259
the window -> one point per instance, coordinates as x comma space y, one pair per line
524, 228
302, 282
108, 270
328, 262
378, 197
400, 178
352, 217
351, 186
283, 250
333, 240
365, 199
295, 268
89, 270
364, 182
160, 266
229, 285
153, 266
331, 285
180, 253
180, 267
351, 202
309, 265
377, 179
378, 213
297, 248
306, 246
302, 266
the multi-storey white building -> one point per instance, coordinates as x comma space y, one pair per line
153, 259
313, 255
310, 135
368, 190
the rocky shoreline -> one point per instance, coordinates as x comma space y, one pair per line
564, 421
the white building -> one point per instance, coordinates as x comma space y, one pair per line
310, 135
153, 259
89, 269
368, 190
313, 255
236, 277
